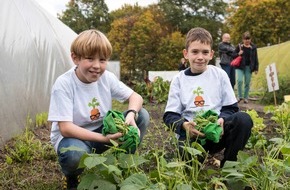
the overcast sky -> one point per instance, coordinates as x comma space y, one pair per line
57, 6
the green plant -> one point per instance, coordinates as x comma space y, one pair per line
160, 90
25, 146
257, 138
156, 91
269, 174
41, 119
281, 115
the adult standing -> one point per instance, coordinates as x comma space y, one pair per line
226, 50
249, 64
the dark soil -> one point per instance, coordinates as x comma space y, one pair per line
157, 138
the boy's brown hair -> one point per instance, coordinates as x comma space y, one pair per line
90, 43
198, 34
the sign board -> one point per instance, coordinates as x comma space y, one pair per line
272, 79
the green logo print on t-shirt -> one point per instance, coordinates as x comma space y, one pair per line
95, 113
198, 100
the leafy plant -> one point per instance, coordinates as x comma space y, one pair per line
24, 147
270, 173
156, 91
257, 137
41, 119
281, 115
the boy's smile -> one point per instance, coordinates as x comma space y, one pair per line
198, 55
89, 69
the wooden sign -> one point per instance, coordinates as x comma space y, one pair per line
272, 79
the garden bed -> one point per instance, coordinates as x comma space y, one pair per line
43, 172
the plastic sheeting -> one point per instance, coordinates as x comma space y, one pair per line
34, 51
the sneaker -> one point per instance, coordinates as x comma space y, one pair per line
246, 101
71, 182
239, 100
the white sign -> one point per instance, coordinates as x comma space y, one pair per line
272, 79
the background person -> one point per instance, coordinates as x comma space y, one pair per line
249, 64
192, 91
226, 50
182, 65
80, 99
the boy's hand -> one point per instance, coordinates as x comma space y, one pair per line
130, 120
220, 121
190, 128
114, 137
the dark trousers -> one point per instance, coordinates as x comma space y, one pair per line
237, 131
231, 73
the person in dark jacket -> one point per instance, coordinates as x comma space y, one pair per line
182, 65
226, 50
249, 64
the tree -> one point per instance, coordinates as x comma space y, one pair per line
144, 42
183, 15
170, 51
136, 39
81, 15
266, 27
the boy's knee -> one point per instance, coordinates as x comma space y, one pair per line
143, 113
246, 119
143, 118
244, 123
70, 159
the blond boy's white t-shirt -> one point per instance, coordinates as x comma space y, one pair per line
70, 100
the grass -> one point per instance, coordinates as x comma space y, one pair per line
273, 54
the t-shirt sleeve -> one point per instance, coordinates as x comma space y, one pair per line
174, 103
120, 91
61, 104
228, 95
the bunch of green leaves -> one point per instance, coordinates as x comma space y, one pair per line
114, 122
202, 122
206, 122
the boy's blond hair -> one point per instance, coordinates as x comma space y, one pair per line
198, 34
90, 43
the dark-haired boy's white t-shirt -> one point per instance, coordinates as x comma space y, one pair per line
214, 89
70, 99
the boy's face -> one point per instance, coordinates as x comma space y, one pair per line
89, 69
198, 56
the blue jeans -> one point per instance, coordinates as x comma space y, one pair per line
244, 77
231, 73
69, 160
